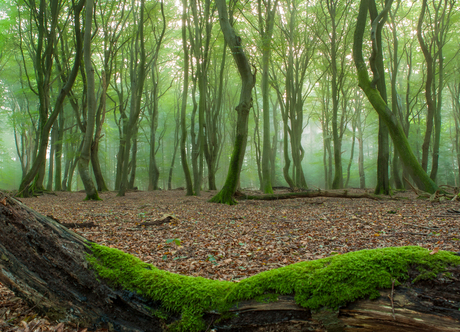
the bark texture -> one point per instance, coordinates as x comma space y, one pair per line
400, 141
247, 84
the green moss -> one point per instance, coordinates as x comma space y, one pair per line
329, 282
93, 197
225, 195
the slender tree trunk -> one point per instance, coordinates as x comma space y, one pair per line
36, 172
337, 182
400, 141
266, 33
49, 185
85, 155
362, 176
154, 172
383, 179
397, 111
137, 85
274, 143
351, 154
58, 153
428, 88
248, 80
100, 118
183, 139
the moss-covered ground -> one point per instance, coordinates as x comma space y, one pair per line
329, 282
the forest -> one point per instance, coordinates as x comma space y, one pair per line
149, 95
329, 130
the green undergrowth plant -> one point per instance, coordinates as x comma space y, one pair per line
329, 282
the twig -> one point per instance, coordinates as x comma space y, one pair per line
212, 321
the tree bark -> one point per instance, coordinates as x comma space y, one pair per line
183, 123
46, 264
383, 157
428, 89
137, 85
247, 79
400, 141
266, 23
85, 155
33, 180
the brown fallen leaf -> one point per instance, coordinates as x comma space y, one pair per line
435, 251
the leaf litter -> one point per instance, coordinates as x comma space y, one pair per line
191, 236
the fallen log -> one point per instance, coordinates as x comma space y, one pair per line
69, 278
301, 194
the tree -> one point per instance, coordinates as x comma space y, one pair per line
225, 195
295, 57
45, 47
377, 67
400, 141
85, 156
153, 103
434, 59
333, 32
183, 138
137, 72
266, 24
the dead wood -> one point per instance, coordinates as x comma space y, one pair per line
74, 224
316, 193
158, 222
45, 264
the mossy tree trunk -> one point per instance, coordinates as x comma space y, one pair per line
383, 157
421, 179
48, 266
225, 195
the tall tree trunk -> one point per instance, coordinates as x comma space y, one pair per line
100, 118
274, 142
383, 158
183, 139
400, 141
395, 105
49, 185
225, 195
428, 89
337, 182
58, 153
85, 155
266, 33
362, 175
137, 85
214, 124
351, 154
45, 50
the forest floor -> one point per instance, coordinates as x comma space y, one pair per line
190, 236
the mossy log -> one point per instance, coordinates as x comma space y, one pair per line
68, 278
310, 193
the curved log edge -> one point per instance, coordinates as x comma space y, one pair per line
47, 265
